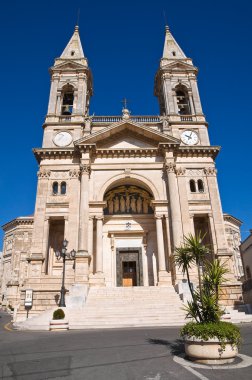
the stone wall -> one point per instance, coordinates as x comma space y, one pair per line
231, 294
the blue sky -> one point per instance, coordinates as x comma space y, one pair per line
123, 42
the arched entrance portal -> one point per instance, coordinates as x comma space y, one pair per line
129, 236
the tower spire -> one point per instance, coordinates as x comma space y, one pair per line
172, 50
74, 49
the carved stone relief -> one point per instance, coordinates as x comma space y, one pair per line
194, 172
128, 200
44, 173
59, 174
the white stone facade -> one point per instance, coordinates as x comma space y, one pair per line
123, 190
246, 253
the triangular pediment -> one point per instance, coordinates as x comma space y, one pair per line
178, 65
68, 65
127, 135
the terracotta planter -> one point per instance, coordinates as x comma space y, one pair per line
58, 325
209, 351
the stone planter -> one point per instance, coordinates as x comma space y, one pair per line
58, 325
209, 351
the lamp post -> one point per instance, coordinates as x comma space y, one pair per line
64, 254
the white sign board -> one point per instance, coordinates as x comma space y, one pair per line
28, 297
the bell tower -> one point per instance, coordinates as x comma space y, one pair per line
71, 89
177, 91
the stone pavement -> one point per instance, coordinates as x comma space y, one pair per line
116, 354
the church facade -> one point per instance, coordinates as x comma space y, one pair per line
122, 190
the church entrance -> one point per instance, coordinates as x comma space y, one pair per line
129, 273
129, 270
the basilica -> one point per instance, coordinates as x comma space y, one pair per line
123, 190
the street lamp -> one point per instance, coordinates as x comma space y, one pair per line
64, 254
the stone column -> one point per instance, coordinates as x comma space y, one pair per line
177, 230
98, 278
84, 210
168, 94
218, 220
175, 103
191, 102
183, 199
58, 103
45, 243
167, 226
91, 242
196, 97
163, 276
82, 256
82, 94
99, 256
36, 258
53, 94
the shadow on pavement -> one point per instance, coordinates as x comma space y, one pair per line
176, 347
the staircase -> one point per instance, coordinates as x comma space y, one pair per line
237, 315
128, 307
124, 307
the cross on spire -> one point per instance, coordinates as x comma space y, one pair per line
124, 102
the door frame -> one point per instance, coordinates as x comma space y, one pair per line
129, 254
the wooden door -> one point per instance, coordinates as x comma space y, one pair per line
129, 273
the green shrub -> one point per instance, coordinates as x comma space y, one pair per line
58, 314
223, 331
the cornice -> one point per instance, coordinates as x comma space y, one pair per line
26, 220
198, 151
232, 219
55, 153
126, 152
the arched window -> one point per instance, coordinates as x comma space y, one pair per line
200, 186
248, 272
55, 188
192, 186
67, 100
183, 101
63, 188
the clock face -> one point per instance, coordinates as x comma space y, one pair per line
189, 137
63, 139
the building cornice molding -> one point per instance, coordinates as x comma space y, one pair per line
230, 218
198, 151
20, 221
55, 153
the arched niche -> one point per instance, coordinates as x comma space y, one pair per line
128, 199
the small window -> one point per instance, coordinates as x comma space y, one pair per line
200, 186
63, 188
55, 188
183, 101
174, 54
72, 53
192, 186
67, 100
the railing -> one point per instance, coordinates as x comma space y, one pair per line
116, 119
106, 119
186, 118
146, 119
65, 118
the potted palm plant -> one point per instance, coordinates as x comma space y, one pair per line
207, 338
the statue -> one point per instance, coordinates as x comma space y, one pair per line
122, 204
139, 205
133, 204
127, 202
110, 206
145, 206
116, 204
